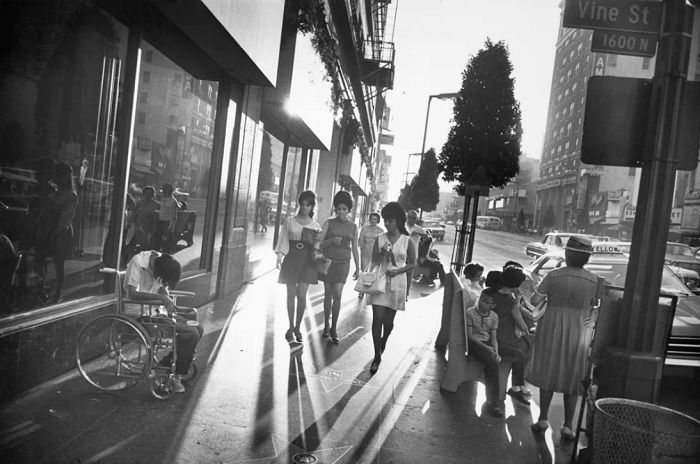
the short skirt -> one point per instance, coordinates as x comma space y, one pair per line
337, 272
298, 266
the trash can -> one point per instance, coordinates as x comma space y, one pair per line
627, 431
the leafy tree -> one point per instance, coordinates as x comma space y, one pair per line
483, 146
425, 190
548, 218
406, 198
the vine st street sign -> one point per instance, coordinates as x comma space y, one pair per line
622, 27
614, 15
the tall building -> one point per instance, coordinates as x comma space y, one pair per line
567, 188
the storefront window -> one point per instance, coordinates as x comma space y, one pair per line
60, 90
171, 160
261, 223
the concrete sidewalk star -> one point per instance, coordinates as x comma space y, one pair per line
285, 452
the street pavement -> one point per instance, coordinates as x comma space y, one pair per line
259, 400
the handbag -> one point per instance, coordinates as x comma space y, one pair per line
321, 263
372, 282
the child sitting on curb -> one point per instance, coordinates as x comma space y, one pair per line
482, 324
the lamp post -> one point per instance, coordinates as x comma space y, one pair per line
439, 96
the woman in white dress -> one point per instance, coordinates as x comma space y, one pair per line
298, 238
395, 253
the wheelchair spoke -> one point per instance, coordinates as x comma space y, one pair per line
113, 353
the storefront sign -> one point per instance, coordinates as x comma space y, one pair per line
676, 215
691, 217
628, 213
614, 196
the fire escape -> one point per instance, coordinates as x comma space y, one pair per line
378, 50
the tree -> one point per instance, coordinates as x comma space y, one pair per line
406, 198
483, 145
425, 191
548, 218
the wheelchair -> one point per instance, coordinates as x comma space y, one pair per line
118, 351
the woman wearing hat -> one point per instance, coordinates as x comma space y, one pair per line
564, 333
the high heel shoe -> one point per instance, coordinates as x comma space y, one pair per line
566, 433
374, 366
289, 336
540, 426
297, 334
334, 337
326, 332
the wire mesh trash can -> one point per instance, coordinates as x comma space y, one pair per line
627, 431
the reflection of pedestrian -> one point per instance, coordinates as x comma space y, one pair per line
63, 203
167, 218
145, 217
263, 211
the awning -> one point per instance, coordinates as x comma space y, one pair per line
348, 181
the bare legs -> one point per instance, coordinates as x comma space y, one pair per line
382, 325
296, 292
569, 406
331, 308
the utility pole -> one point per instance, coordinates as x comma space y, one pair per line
637, 343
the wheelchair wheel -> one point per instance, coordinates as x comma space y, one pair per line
191, 373
113, 352
162, 387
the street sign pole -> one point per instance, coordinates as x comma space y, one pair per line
641, 298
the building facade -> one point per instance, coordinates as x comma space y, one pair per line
227, 101
598, 199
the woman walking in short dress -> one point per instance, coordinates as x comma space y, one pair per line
298, 238
368, 235
564, 333
339, 244
394, 251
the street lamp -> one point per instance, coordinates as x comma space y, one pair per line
439, 96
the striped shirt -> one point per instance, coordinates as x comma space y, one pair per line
481, 325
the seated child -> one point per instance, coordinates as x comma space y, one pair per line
482, 324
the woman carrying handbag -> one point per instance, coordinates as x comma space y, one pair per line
393, 251
339, 243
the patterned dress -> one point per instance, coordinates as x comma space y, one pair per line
394, 296
562, 338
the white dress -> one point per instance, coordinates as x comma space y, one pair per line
394, 297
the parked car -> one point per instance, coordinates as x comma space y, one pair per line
551, 242
689, 277
436, 228
608, 262
681, 255
489, 222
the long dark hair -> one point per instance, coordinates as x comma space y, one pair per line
309, 197
63, 176
393, 210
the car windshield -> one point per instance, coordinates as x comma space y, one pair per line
679, 250
615, 273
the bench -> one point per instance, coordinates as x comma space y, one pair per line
460, 366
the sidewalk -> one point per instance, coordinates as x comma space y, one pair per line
258, 401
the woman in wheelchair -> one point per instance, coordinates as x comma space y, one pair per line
149, 274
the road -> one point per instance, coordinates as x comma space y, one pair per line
491, 248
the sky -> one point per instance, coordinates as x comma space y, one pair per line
434, 40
